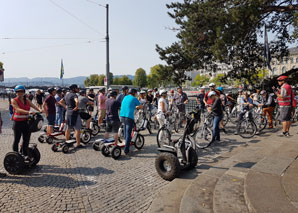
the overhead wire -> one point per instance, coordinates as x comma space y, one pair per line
47, 47
96, 3
75, 17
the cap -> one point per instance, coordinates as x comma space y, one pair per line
282, 78
212, 85
124, 88
211, 93
262, 92
132, 91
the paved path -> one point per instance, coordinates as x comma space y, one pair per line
86, 181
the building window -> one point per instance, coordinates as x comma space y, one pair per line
283, 70
287, 60
292, 60
274, 71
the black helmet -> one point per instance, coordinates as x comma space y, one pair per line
59, 90
132, 91
82, 92
113, 93
73, 87
124, 88
50, 90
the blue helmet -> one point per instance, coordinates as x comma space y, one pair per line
220, 88
19, 88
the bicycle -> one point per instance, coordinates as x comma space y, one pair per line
203, 134
260, 119
246, 126
164, 133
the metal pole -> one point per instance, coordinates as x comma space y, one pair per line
108, 51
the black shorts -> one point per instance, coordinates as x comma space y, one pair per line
285, 114
90, 108
85, 115
112, 126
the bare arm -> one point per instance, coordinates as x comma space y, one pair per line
77, 104
18, 109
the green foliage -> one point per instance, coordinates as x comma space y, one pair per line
140, 78
200, 80
1, 65
96, 80
211, 32
218, 79
124, 80
160, 75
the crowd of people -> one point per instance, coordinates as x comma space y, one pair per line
71, 106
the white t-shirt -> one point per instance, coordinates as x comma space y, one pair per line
143, 100
159, 104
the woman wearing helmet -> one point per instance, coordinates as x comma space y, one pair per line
217, 111
142, 97
21, 110
162, 108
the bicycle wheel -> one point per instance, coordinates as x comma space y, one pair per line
261, 122
203, 137
233, 116
225, 118
247, 129
163, 137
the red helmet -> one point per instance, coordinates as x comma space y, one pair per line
281, 78
172, 90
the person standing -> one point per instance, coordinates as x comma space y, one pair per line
73, 119
217, 111
268, 105
207, 100
200, 99
39, 97
1, 174
128, 106
162, 109
59, 108
123, 94
113, 121
21, 111
83, 103
49, 107
91, 97
285, 98
181, 100
101, 106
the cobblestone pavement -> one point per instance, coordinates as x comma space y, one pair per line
85, 180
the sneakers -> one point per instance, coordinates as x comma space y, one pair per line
79, 146
284, 134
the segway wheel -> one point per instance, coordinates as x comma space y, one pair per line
65, 149
14, 163
35, 154
193, 159
167, 166
86, 137
95, 130
54, 148
41, 139
140, 141
116, 152
95, 146
105, 150
50, 140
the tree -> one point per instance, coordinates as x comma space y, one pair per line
200, 80
140, 78
124, 80
159, 75
218, 79
211, 32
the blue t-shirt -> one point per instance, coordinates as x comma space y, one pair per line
128, 106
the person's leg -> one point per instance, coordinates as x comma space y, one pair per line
128, 130
88, 123
240, 117
26, 138
270, 115
17, 136
67, 133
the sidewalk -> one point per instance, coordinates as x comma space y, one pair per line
261, 176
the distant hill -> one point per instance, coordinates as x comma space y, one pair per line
49, 81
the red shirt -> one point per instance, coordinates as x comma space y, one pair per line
208, 99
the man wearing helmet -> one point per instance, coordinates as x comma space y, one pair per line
128, 106
21, 111
207, 100
285, 98
73, 120
268, 105
200, 99
49, 107
217, 111
181, 99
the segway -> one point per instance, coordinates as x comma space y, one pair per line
180, 154
137, 140
64, 145
15, 162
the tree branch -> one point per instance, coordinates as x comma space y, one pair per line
288, 8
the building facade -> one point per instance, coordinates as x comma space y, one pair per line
281, 66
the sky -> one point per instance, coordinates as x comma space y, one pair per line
75, 32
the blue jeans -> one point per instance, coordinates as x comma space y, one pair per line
59, 117
128, 125
216, 121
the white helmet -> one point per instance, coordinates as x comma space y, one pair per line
212, 85
211, 93
110, 89
142, 92
163, 91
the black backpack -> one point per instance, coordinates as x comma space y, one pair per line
35, 122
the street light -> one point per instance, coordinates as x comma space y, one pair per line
107, 43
